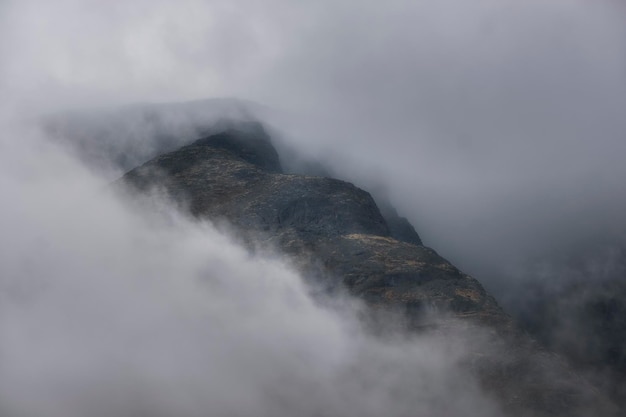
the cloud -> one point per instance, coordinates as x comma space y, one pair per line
76, 53
108, 309
496, 127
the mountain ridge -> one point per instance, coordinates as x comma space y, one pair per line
338, 237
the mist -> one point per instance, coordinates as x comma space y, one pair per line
495, 127
108, 308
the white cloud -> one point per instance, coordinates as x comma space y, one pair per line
109, 310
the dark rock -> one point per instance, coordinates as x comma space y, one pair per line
249, 142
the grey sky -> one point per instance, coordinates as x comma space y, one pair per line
497, 127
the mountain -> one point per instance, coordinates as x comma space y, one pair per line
338, 237
334, 228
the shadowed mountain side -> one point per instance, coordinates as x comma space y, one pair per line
336, 235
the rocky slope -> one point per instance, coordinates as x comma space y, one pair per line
337, 236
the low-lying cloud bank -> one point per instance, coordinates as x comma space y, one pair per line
107, 310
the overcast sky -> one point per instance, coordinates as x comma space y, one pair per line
496, 126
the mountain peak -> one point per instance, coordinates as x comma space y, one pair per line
247, 140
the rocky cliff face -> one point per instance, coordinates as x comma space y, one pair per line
336, 234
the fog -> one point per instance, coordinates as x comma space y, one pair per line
496, 127
110, 309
